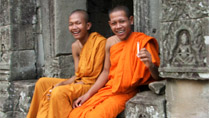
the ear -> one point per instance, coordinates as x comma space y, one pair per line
109, 23
131, 19
89, 25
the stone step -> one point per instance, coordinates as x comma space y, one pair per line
18, 103
146, 104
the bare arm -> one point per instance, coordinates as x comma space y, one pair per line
101, 81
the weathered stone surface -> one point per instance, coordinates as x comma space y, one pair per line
4, 13
22, 37
23, 92
5, 40
184, 9
158, 87
18, 100
62, 66
4, 69
66, 66
4, 95
2, 115
22, 12
62, 10
183, 39
23, 65
5, 52
146, 105
146, 17
187, 98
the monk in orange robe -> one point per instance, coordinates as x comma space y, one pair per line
53, 97
131, 60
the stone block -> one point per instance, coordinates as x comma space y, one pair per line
22, 12
23, 65
23, 37
23, 92
4, 13
187, 98
16, 99
4, 94
66, 66
5, 38
2, 115
52, 67
146, 105
158, 87
4, 70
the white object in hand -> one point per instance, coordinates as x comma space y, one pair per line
137, 48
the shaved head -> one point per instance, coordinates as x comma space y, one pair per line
81, 11
120, 8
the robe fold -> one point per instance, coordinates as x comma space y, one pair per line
59, 103
126, 73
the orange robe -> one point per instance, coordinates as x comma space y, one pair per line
60, 103
126, 73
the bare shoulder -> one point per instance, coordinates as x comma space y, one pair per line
75, 47
75, 44
112, 40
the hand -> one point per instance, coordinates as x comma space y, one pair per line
49, 93
80, 100
145, 57
58, 84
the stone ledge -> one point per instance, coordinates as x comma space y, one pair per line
19, 99
146, 105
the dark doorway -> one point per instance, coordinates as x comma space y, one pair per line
98, 11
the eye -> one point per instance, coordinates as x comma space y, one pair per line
122, 21
70, 24
78, 23
113, 23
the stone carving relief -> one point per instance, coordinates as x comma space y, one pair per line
183, 53
184, 9
183, 46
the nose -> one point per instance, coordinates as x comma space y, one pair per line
73, 26
118, 25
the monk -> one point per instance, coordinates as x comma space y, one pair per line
53, 97
131, 60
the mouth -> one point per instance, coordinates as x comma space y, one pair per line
75, 32
120, 32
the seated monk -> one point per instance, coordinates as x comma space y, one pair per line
53, 97
125, 69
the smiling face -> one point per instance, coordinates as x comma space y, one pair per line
120, 24
78, 26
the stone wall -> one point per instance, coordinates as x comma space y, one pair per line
185, 58
34, 42
17, 49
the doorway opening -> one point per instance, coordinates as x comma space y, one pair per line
98, 13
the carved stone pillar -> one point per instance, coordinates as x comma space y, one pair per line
146, 17
185, 57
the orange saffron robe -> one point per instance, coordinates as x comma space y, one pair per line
61, 98
126, 73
